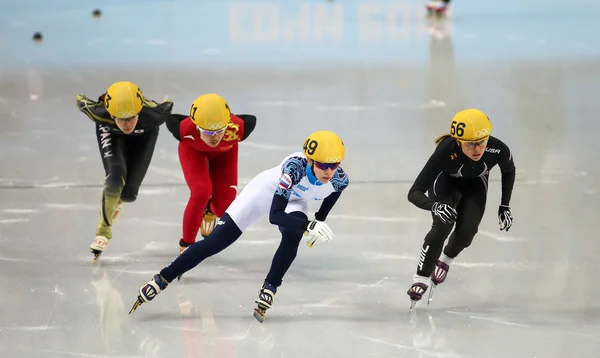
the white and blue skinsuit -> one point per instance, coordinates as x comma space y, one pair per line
282, 192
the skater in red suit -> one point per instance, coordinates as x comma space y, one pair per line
208, 153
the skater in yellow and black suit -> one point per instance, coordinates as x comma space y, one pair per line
127, 126
456, 177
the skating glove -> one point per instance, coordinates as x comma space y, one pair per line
505, 218
318, 230
444, 212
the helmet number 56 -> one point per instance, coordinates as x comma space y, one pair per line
457, 128
310, 146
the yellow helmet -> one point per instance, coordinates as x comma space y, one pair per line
324, 147
123, 100
210, 112
470, 125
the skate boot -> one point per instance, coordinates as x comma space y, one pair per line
417, 290
149, 291
264, 301
438, 276
98, 246
182, 246
436, 7
208, 223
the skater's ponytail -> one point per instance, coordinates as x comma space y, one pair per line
439, 139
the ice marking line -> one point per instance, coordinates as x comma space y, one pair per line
13, 221
19, 211
499, 265
70, 206
373, 218
488, 319
14, 259
77, 354
55, 185
499, 237
28, 328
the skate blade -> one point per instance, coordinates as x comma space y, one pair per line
137, 304
413, 303
96, 256
431, 289
179, 277
259, 315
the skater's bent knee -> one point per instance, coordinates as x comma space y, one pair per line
115, 180
129, 194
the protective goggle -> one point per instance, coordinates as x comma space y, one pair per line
475, 144
211, 133
325, 166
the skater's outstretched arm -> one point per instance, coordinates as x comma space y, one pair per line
249, 124
340, 182
509, 172
153, 113
94, 110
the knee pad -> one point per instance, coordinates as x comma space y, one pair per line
129, 193
115, 181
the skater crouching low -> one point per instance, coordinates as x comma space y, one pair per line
283, 193
456, 177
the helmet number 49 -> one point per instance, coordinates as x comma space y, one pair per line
457, 128
310, 146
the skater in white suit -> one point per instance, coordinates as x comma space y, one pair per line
282, 193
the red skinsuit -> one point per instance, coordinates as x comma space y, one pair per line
209, 172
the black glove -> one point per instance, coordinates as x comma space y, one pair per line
444, 212
505, 218
167, 105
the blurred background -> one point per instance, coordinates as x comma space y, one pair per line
383, 75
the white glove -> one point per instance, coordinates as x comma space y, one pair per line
318, 230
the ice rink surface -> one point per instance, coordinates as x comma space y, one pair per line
382, 77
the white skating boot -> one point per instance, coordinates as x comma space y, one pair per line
417, 290
264, 301
149, 291
98, 246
